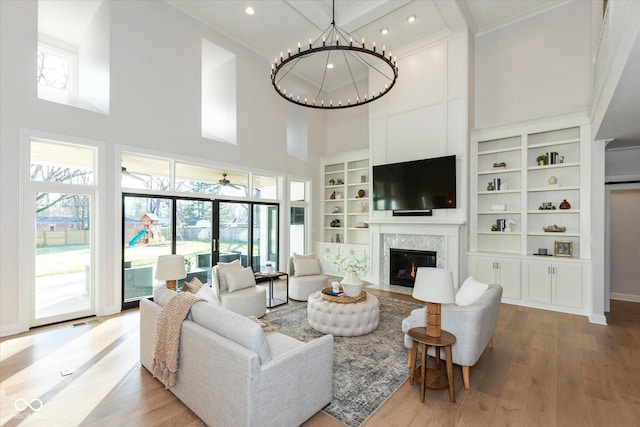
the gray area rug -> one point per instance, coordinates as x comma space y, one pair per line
366, 369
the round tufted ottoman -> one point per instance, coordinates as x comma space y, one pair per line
344, 320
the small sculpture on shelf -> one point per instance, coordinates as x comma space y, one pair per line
500, 165
565, 205
340, 181
546, 206
490, 186
510, 224
552, 180
335, 223
333, 196
554, 229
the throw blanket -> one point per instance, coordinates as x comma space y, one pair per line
166, 341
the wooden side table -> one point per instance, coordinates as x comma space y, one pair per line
432, 378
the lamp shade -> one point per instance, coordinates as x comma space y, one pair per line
434, 285
170, 267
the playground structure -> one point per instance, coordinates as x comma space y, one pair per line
150, 232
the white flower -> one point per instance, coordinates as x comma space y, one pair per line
351, 264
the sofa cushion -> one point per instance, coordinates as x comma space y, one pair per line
209, 294
240, 279
470, 291
193, 286
223, 269
162, 295
306, 266
234, 327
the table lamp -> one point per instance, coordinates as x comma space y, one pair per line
170, 268
435, 286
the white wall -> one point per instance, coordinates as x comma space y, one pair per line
155, 83
538, 67
426, 113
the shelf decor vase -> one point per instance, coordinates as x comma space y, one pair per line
351, 284
565, 205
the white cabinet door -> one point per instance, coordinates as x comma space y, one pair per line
325, 253
538, 283
485, 270
567, 285
508, 275
503, 272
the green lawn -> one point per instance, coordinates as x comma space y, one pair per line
74, 258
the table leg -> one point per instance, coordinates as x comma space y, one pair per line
452, 391
413, 354
423, 372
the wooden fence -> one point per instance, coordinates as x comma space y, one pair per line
62, 238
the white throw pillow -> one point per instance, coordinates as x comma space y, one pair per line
208, 294
224, 268
304, 256
306, 266
470, 291
240, 279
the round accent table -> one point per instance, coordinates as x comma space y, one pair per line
343, 319
432, 378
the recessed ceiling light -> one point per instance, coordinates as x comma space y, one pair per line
329, 65
411, 18
384, 31
249, 10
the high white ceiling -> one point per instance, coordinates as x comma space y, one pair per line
279, 24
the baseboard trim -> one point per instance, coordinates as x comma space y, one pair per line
13, 329
625, 297
598, 319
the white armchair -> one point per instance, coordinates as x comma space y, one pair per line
237, 290
473, 325
306, 278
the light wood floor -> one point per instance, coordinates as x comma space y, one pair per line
545, 369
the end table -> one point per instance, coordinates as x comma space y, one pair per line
432, 378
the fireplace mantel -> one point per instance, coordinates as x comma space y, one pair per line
446, 236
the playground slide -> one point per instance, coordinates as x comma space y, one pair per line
137, 237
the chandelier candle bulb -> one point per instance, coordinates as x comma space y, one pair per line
374, 46
298, 47
350, 41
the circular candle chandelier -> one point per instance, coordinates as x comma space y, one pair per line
335, 44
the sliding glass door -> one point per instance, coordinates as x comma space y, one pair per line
154, 226
194, 234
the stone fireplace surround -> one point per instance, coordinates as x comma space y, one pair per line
444, 236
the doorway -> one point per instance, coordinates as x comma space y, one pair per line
624, 238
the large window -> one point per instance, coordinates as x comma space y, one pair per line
217, 215
298, 195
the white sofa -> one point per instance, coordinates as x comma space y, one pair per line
231, 373
473, 325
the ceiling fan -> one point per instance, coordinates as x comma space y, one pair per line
224, 181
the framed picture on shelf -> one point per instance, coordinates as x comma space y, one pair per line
563, 248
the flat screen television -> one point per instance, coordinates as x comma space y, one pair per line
416, 186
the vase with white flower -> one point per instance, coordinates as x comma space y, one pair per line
351, 284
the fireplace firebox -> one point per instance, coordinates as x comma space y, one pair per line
404, 263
